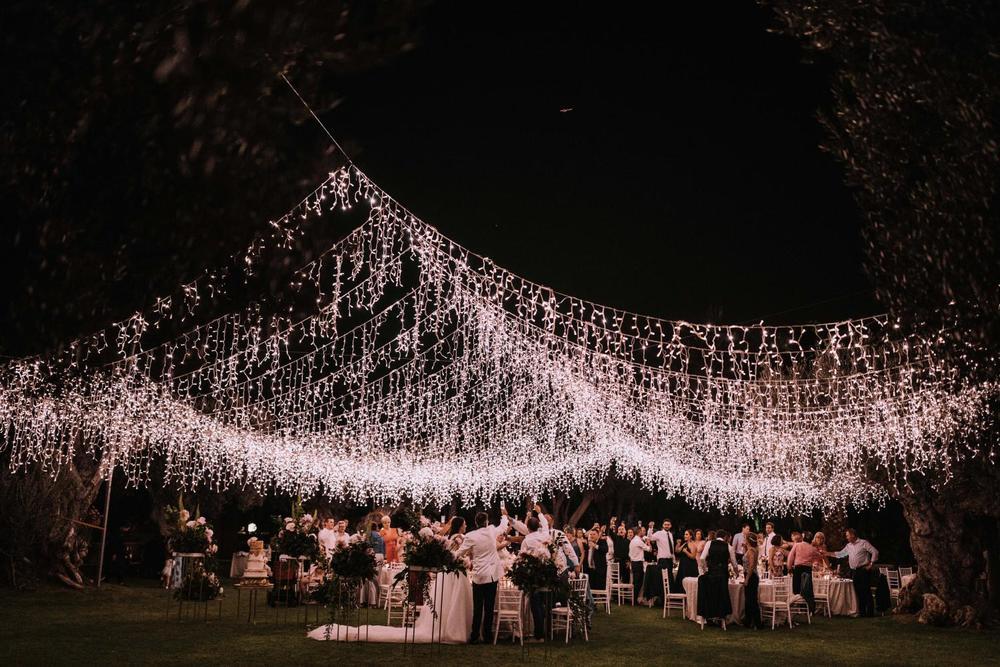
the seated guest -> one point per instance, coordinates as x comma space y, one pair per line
713, 586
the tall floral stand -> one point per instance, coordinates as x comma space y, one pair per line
418, 579
191, 597
346, 610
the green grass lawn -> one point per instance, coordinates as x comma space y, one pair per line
121, 625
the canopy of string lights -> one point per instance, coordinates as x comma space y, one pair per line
424, 370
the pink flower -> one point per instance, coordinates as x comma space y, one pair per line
289, 526
208, 533
201, 521
185, 515
191, 524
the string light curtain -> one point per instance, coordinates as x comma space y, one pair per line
425, 370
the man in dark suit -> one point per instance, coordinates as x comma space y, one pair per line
718, 556
595, 560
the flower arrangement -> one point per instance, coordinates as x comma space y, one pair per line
355, 561
296, 534
533, 571
425, 551
199, 585
538, 570
189, 535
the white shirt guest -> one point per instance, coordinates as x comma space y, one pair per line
637, 548
860, 553
481, 543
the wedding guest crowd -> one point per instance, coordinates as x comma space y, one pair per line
647, 557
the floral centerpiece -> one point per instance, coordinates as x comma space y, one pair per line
537, 570
349, 567
296, 535
188, 535
424, 552
199, 584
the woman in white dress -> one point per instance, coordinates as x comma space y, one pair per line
455, 599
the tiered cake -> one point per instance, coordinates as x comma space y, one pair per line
257, 570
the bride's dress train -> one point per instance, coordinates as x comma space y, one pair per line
454, 622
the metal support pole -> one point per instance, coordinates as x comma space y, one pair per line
104, 531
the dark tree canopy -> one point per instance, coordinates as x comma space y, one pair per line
916, 93
130, 126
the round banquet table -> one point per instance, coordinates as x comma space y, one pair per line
843, 601
736, 597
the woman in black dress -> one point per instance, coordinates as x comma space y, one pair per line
687, 565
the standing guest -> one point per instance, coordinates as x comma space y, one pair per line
391, 538
740, 542
481, 546
664, 540
327, 536
341, 537
713, 586
687, 565
637, 550
595, 560
696, 548
768, 538
801, 559
376, 542
621, 541
536, 539
822, 566
776, 561
751, 609
861, 557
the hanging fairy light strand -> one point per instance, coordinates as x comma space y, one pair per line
424, 369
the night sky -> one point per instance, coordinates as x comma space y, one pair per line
686, 181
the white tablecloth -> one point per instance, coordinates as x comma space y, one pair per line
843, 601
736, 597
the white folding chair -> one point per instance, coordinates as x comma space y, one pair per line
602, 598
776, 601
893, 577
821, 595
672, 600
508, 612
562, 617
396, 604
624, 591
905, 572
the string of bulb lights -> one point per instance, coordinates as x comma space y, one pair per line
422, 369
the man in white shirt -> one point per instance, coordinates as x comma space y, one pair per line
768, 536
861, 557
482, 544
664, 541
637, 549
327, 536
